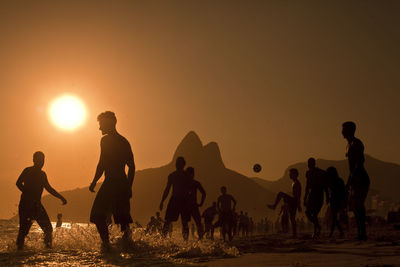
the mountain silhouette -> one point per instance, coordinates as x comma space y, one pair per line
150, 183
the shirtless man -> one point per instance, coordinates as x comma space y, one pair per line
358, 182
176, 180
191, 207
293, 201
114, 194
314, 194
31, 183
224, 206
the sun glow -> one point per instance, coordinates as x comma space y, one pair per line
68, 112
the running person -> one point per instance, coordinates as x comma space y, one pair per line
314, 194
31, 183
176, 180
114, 194
293, 201
358, 182
224, 206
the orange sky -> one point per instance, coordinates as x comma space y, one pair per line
269, 81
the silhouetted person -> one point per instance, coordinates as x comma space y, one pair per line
59, 220
31, 183
151, 226
251, 226
246, 224
209, 215
316, 185
191, 207
242, 222
115, 192
337, 198
358, 182
226, 204
176, 180
293, 201
285, 217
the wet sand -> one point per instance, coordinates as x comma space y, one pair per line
346, 254
382, 249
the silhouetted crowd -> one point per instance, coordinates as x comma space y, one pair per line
113, 197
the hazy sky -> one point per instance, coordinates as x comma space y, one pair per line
269, 81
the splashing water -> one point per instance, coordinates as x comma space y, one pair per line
79, 245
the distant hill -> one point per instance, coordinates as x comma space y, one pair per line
384, 176
149, 185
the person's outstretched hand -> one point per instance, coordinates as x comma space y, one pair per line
64, 201
91, 187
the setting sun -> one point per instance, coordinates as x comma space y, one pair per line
67, 112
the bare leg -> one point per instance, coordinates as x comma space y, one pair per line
279, 196
185, 230
102, 228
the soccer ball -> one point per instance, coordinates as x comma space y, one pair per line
257, 167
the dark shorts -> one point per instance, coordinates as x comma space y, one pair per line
291, 201
33, 211
175, 208
112, 200
189, 212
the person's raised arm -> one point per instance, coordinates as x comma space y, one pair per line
203, 194
20, 181
99, 169
52, 191
166, 192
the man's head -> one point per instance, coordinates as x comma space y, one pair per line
348, 129
107, 122
180, 163
223, 190
293, 173
311, 163
332, 172
38, 159
190, 172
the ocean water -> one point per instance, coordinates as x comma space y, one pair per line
79, 245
